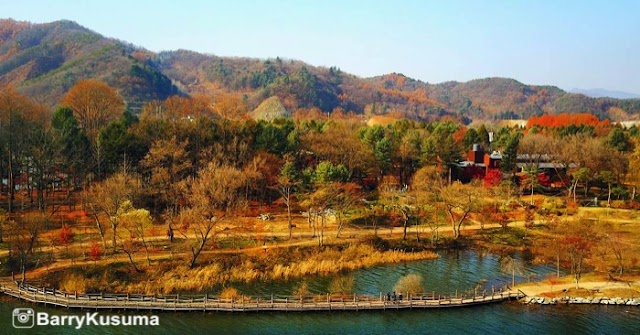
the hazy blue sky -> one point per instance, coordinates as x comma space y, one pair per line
584, 44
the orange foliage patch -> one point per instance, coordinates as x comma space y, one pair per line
565, 120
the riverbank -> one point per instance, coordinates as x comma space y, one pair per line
268, 265
563, 291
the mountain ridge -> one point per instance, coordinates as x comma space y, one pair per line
604, 93
44, 60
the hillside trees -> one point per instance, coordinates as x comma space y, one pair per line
165, 166
72, 143
17, 115
94, 105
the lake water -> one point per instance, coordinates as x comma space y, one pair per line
452, 271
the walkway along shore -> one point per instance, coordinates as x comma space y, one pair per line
206, 302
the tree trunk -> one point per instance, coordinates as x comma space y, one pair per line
196, 252
100, 231
114, 227
405, 225
532, 188
375, 227
133, 264
146, 248
290, 225
11, 183
322, 231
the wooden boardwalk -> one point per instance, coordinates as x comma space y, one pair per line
206, 302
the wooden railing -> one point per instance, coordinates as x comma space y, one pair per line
206, 302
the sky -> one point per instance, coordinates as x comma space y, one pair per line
567, 43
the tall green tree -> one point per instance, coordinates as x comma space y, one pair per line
510, 154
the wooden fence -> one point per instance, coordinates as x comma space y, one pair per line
206, 302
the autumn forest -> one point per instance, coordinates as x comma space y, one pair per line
169, 180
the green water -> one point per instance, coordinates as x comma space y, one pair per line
452, 271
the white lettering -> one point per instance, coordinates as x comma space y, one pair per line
140, 320
43, 319
94, 319
79, 320
91, 319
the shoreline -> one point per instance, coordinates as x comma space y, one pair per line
589, 292
581, 300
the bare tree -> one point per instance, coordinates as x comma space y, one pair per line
286, 186
23, 237
459, 200
106, 200
214, 196
512, 266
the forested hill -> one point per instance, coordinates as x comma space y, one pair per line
45, 60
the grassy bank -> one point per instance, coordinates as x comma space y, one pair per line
279, 264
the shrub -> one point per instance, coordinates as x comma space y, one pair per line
301, 290
72, 282
572, 208
341, 285
229, 293
411, 284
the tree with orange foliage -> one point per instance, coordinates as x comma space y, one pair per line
94, 103
95, 252
65, 236
229, 106
565, 120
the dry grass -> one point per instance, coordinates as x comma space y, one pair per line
266, 268
72, 282
229, 293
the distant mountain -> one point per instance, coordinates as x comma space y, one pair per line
45, 60
602, 93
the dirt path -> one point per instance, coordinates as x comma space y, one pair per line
302, 238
